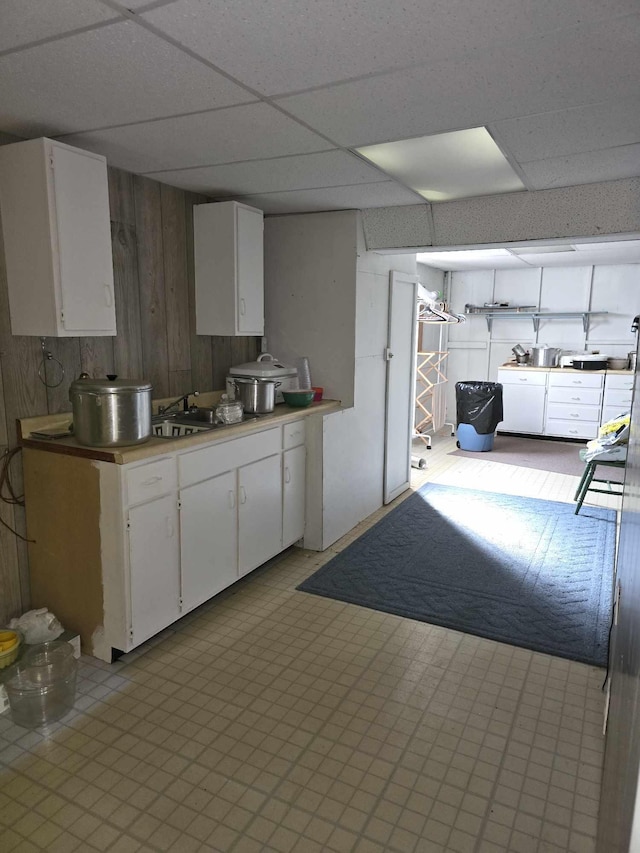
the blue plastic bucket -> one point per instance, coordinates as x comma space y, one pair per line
469, 439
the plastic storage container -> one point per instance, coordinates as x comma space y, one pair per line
42, 688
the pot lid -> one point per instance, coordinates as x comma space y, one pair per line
108, 386
265, 367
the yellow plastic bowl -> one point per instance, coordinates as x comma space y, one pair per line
8, 656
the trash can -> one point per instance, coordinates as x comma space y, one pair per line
479, 411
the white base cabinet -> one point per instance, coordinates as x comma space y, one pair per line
259, 512
154, 567
523, 400
208, 538
562, 403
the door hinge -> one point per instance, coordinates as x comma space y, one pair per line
131, 633
179, 504
128, 524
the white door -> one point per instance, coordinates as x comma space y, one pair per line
250, 271
259, 512
401, 383
154, 566
84, 244
208, 538
293, 484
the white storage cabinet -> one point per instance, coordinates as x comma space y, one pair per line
229, 269
293, 482
152, 550
574, 404
54, 203
618, 393
524, 396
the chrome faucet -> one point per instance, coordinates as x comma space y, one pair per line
184, 398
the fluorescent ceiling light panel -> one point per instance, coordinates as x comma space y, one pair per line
541, 250
464, 255
460, 164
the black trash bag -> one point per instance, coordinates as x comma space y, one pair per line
479, 404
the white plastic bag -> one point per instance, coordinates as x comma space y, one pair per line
37, 626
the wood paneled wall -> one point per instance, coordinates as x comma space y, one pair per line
152, 239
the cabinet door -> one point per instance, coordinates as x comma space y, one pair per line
84, 245
523, 408
259, 512
208, 538
250, 274
293, 499
154, 567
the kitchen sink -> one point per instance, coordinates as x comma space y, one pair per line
182, 424
171, 428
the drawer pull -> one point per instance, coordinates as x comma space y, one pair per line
573, 415
574, 431
576, 399
152, 480
577, 381
523, 379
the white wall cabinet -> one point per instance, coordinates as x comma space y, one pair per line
54, 203
229, 269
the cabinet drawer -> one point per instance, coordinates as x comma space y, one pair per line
576, 379
619, 382
198, 465
610, 413
293, 434
573, 412
522, 377
571, 429
621, 399
150, 481
575, 396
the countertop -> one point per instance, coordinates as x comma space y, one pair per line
282, 414
513, 366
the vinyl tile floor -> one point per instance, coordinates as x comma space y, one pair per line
274, 720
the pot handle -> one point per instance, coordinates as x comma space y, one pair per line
264, 356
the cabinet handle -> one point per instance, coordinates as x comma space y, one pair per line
574, 431
287, 474
573, 415
232, 499
152, 480
243, 495
576, 399
523, 379
576, 381
243, 308
108, 296
169, 525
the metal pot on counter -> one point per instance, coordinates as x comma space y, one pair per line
258, 396
111, 413
545, 356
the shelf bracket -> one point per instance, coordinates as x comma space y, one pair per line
535, 319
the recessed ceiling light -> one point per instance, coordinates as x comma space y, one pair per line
460, 164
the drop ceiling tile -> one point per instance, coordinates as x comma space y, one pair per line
304, 171
112, 75
24, 21
589, 168
381, 194
249, 132
557, 71
572, 131
246, 38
